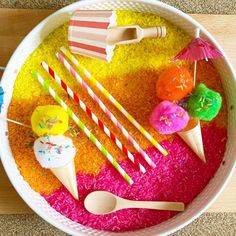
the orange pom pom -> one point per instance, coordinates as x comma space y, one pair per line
174, 83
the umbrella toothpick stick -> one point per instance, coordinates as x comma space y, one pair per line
196, 50
197, 35
15, 122
195, 73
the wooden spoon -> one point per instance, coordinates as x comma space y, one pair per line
102, 202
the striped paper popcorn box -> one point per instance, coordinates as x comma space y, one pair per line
87, 33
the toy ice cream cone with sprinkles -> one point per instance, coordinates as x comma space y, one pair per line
203, 104
57, 154
53, 150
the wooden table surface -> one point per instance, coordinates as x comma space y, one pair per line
15, 24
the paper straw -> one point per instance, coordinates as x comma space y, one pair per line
15, 122
105, 109
83, 127
86, 109
114, 101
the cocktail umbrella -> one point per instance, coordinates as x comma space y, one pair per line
198, 49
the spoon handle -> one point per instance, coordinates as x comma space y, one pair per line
157, 205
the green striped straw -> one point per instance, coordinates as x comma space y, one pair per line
83, 127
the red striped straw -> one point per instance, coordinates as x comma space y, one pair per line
105, 109
86, 109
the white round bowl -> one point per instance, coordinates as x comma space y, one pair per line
35, 37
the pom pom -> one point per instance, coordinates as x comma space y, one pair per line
168, 118
204, 104
174, 83
50, 119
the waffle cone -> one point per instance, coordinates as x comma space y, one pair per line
192, 136
67, 176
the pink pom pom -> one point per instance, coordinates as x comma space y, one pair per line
168, 118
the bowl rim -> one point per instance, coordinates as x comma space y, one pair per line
68, 9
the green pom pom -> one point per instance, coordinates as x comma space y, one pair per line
204, 103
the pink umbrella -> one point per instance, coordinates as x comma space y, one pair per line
198, 49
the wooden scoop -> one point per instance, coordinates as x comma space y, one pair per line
133, 34
102, 202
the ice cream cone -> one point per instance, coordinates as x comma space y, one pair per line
57, 154
192, 136
67, 176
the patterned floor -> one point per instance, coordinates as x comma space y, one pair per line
193, 6
210, 224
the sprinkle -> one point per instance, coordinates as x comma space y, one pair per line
30, 144
166, 120
53, 120
42, 151
180, 86
58, 150
42, 126
51, 144
74, 132
223, 139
